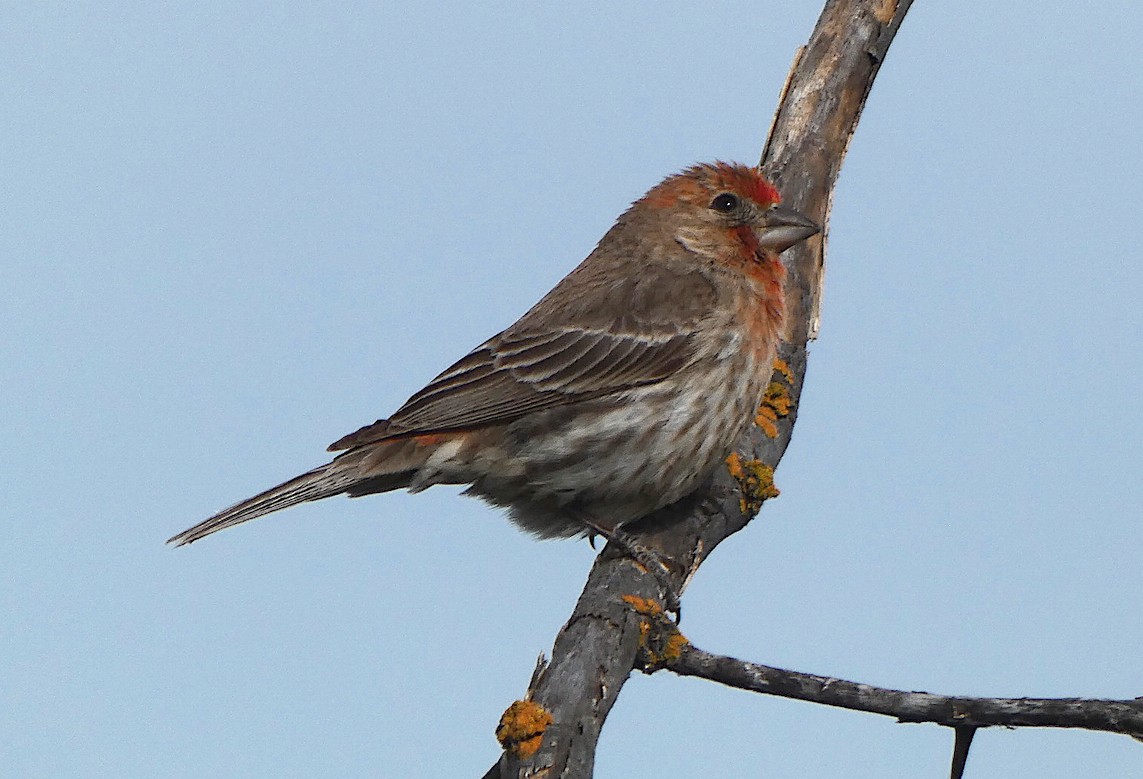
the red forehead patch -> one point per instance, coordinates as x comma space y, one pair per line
745, 181
700, 181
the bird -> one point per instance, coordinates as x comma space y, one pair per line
615, 395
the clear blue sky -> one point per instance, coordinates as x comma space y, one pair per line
229, 234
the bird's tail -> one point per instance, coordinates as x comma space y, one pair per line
369, 469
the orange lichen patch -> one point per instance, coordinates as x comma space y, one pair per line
766, 422
783, 368
755, 481
777, 402
660, 642
648, 608
778, 398
734, 465
675, 645
521, 728
645, 606
659, 648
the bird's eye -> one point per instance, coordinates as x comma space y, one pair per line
725, 202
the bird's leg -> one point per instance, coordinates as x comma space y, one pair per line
652, 561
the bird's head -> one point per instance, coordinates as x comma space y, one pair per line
720, 207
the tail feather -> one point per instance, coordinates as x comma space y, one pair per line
356, 472
319, 483
376, 466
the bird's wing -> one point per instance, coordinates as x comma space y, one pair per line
519, 375
507, 378
569, 348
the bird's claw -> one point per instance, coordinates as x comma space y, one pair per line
651, 561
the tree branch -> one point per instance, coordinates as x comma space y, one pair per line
1116, 716
555, 734
961, 744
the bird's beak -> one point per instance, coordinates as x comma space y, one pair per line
783, 227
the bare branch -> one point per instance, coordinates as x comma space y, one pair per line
1116, 716
961, 745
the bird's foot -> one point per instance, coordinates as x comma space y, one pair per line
654, 563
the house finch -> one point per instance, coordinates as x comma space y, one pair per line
613, 396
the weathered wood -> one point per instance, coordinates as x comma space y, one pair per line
1117, 716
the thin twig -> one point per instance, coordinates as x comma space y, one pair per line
961, 744
1116, 716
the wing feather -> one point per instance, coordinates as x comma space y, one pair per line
507, 384
595, 334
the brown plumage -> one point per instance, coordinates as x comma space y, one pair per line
613, 396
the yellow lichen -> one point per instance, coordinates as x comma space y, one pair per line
781, 367
673, 647
755, 482
645, 606
660, 642
764, 421
778, 398
521, 728
777, 402
734, 465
